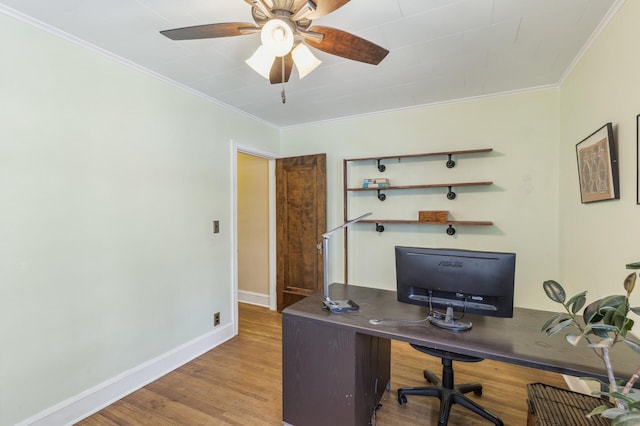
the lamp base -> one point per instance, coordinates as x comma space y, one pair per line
340, 305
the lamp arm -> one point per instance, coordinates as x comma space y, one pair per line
325, 251
344, 225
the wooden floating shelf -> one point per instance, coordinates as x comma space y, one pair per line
417, 222
432, 185
450, 223
429, 154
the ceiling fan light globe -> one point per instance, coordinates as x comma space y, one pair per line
277, 37
305, 60
261, 61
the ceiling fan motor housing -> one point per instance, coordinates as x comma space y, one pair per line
282, 9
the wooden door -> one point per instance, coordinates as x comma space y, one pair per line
301, 219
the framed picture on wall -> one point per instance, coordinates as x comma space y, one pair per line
638, 158
598, 166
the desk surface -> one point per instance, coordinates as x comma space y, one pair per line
518, 340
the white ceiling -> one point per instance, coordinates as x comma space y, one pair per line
440, 50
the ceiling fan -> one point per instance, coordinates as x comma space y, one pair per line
285, 28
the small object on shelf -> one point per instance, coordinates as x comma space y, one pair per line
433, 216
375, 183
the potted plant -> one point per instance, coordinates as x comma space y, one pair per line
602, 325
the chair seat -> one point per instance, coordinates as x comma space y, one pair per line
439, 353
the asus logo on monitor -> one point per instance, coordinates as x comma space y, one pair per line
451, 263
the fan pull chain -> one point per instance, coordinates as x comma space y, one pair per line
282, 94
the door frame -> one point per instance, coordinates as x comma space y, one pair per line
271, 157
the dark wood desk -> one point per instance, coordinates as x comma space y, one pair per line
336, 366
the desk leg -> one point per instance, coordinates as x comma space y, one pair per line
331, 375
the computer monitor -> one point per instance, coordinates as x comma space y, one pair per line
457, 281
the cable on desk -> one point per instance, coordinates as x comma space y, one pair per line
381, 320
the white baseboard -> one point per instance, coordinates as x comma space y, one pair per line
94, 399
253, 298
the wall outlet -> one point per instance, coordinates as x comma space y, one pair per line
216, 319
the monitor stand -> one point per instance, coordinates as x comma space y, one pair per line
340, 305
449, 323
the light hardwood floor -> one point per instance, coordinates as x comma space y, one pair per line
240, 383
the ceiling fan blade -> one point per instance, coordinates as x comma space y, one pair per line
324, 7
346, 45
227, 29
275, 76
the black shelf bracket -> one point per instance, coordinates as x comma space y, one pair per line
379, 228
381, 167
381, 196
451, 195
451, 230
450, 163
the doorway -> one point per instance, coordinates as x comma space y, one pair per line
259, 299
253, 229
312, 166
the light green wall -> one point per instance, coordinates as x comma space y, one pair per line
598, 239
523, 202
109, 181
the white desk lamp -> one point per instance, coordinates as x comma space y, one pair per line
327, 303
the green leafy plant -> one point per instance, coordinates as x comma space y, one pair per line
603, 324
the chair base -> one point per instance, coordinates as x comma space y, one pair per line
448, 397
447, 392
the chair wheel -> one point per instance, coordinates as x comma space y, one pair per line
478, 392
402, 399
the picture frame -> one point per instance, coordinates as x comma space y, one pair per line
638, 159
598, 166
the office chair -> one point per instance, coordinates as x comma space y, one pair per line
445, 390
